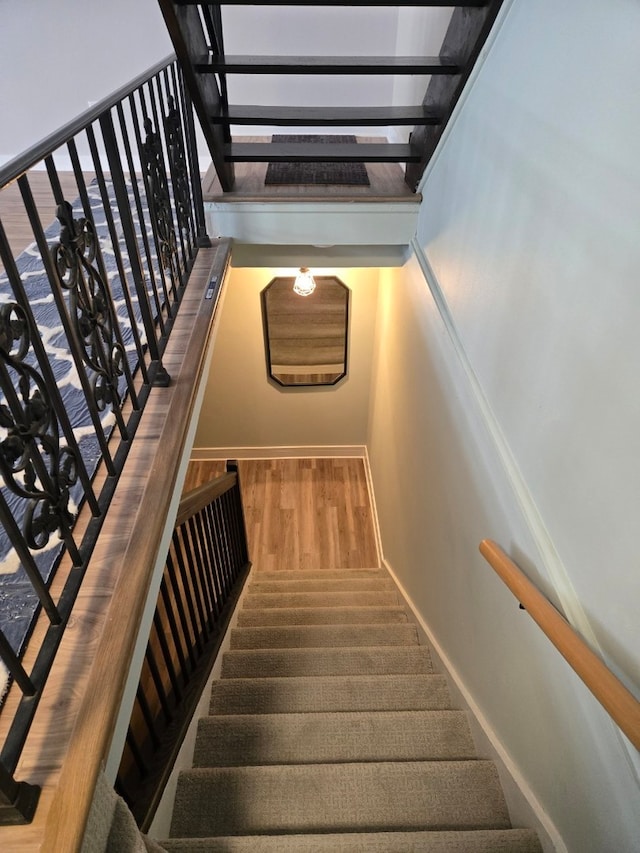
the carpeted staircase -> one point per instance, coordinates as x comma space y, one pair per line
330, 733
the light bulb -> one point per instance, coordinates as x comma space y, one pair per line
304, 285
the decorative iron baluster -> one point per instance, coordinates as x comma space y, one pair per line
90, 307
178, 166
159, 199
33, 462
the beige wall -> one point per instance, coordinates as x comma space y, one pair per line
243, 409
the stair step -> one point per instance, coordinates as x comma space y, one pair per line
466, 3
339, 798
321, 599
321, 616
322, 738
320, 152
452, 841
323, 636
251, 64
290, 663
328, 116
318, 574
321, 585
306, 694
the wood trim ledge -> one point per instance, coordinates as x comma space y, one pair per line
99, 695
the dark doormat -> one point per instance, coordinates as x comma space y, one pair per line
344, 174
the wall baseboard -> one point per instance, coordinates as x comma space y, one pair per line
302, 452
525, 809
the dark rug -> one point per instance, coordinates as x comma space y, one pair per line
344, 174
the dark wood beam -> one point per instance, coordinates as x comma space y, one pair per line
309, 152
468, 30
327, 116
210, 64
466, 3
185, 29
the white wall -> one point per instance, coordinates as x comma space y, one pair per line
243, 409
514, 414
58, 55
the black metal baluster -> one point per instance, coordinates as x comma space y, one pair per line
173, 625
142, 235
14, 667
166, 654
202, 238
232, 527
46, 371
32, 434
152, 159
157, 681
207, 568
174, 146
89, 305
25, 556
18, 800
191, 599
137, 754
155, 99
191, 234
221, 576
196, 563
213, 560
147, 716
173, 580
74, 344
128, 230
167, 303
216, 512
124, 283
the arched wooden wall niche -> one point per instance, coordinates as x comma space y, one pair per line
306, 336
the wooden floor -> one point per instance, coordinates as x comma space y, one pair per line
386, 183
303, 513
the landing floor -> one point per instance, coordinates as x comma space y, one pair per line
307, 514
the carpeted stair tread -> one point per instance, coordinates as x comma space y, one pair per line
321, 616
368, 660
339, 798
229, 741
323, 636
329, 693
258, 587
322, 599
317, 574
452, 841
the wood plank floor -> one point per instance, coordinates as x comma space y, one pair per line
303, 514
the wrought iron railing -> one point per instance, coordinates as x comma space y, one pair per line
85, 314
204, 573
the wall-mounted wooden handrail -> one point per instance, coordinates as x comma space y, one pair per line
199, 498
621, 705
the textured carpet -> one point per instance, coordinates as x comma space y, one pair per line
342, 174
329, 733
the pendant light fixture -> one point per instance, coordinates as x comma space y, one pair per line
304, 285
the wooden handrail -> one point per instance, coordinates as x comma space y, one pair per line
99, 708
619, 703
199, 498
